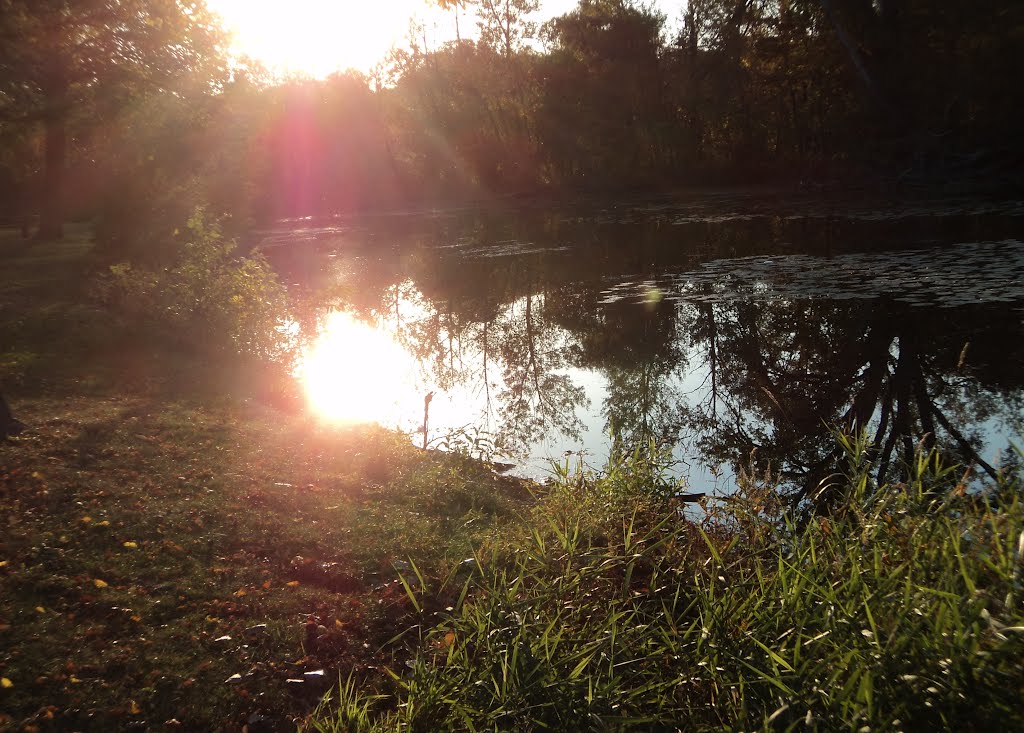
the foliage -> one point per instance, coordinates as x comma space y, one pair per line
135, 98
209, 298
901, 611
83, 61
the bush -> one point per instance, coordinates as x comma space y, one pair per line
208, 299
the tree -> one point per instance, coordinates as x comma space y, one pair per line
503, 23
603, 110
58, 55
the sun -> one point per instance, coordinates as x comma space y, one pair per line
317, 37
355, 373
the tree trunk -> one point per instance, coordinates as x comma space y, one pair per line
8, 424
51, 215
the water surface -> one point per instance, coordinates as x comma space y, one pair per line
721, 327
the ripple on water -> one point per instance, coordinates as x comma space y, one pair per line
963, 274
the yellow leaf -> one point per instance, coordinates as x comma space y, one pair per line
100, 583
240, 592
135, 709
131, 545
6, 683
104, 523
3, 563
292, 583
86, 520
40, 609
449, 639
74, 680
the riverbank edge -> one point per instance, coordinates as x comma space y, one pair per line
177, 547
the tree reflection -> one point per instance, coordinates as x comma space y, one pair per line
538, 396
639, 350
796, 369
485, 331
514, 325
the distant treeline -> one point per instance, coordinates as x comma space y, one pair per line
604, 98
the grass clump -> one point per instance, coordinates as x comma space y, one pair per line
902, 611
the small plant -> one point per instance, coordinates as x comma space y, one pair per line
468, 441
351, 712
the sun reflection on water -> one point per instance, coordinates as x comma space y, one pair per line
355, 373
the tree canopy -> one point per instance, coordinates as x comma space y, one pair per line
133, 99
57, 56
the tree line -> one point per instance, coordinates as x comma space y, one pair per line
130, 110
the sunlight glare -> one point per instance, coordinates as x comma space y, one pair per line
316, 37
354, 373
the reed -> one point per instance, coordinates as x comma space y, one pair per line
900, 611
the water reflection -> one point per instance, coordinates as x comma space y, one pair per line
547, 332
354, 372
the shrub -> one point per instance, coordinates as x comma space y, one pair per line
209, 298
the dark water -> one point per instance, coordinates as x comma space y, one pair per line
715, 326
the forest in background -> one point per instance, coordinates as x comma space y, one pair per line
130, 112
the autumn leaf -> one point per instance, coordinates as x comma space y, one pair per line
6, 683
131, 545
240, 593
292, 583
100, 583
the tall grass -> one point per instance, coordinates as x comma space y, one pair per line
901, 611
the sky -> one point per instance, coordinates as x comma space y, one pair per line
318, 37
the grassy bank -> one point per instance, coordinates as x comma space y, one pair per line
179, 555
164, 532
902, 612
